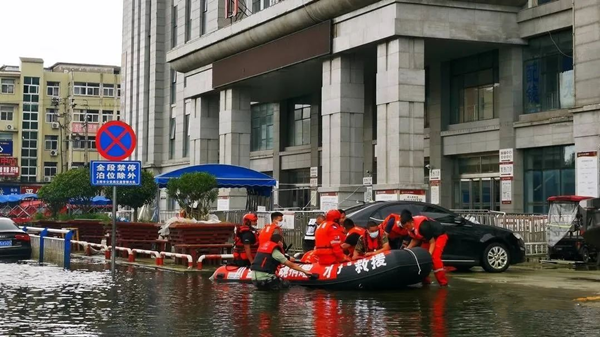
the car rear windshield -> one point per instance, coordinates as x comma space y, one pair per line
7, 225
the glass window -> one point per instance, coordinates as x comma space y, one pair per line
299, 125
86, 89
173, 86
188, 20
50, 169
262, 127
108, 90
172, 134
51, 142
473, 88
479, 164
93, 116
186, 135
548, 73
8, 86
53, 89
6, 112
107, 116
174, 27
203, 12
51, 115
549, 171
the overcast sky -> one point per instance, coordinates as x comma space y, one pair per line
79, 31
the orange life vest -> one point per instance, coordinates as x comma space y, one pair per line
417, 221
239, 252
397, 231
267, 232
370, 244
354, 230
328, 237
264, 260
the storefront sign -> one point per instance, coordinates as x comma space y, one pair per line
9, 167
587, 174
6, 148
223, 204
30, 189
387, 195
435, 179
412, 195
79, 127
369, 194
435, 194
367, 181
506, 190
8, 190
435, 174
329, 201
314, 182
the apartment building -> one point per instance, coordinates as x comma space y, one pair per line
49, 118
481, 104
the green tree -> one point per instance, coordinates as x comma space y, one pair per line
136, 196
194, 189
73, 184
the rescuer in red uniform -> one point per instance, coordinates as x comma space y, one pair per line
353, 234
328, 240
394, 230
431, 235
246, 240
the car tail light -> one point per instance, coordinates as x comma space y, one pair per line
23, 237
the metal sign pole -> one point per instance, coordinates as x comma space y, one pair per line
113, 252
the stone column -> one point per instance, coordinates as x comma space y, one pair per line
400, 103
586, 114
234, 136
511, 106
438, 112
204, 131
342, 109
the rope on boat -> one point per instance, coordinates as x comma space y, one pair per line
417, 260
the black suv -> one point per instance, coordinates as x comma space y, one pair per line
469, 244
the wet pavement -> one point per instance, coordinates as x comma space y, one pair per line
36, 300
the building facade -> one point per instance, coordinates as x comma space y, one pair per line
485, 104
49, 118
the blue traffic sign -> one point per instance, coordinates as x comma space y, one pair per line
6, 148
115, 140
116, 173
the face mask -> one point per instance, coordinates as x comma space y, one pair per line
373, 235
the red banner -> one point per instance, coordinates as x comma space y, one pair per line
30, 189
78, 127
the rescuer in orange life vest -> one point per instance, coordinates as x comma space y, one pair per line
372, 242
431, 235
328, 240
245, 241
273, 228
353, 234
394, 230
268, 258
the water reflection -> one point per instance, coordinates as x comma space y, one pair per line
47, 300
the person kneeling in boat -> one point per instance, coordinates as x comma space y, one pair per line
353, 234
268, 258
246, 239
372, 242
430, 235
328, 240
394, 230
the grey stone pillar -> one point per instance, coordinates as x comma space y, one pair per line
400, 103
511, 106
586, 115
234, 136
204, 131
342, 109
438, 122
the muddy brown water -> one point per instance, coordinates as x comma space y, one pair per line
45, 300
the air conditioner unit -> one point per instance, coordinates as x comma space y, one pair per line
47, 179
55, 125
53, 153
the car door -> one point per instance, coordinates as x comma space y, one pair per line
463, 243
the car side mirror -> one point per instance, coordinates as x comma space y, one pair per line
459, 220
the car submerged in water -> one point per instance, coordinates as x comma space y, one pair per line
15, 244
469, 244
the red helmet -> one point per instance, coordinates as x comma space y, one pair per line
251, 217
333, 215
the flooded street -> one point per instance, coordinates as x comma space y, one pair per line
39, 300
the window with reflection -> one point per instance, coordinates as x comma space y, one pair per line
549, 171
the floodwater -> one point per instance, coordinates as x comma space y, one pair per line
45, 300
